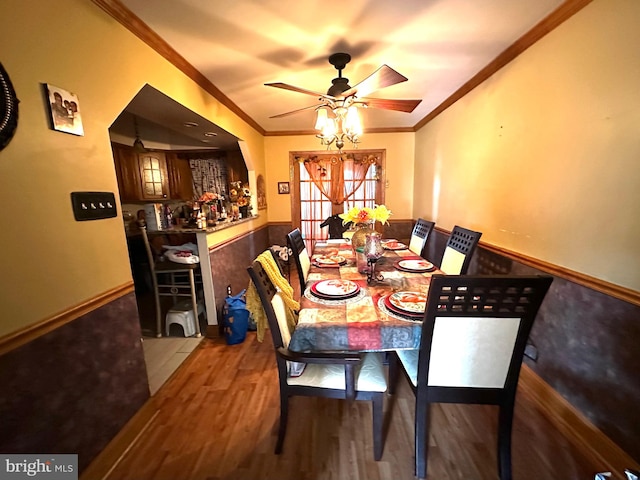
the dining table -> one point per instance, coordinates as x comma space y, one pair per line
340, 311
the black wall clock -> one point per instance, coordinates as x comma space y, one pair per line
8, 109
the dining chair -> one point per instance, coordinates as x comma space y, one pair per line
171, 279
300, 256
352, 376
474, 334
420, 235
458, 251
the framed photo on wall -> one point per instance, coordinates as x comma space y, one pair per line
283, 187
64, 110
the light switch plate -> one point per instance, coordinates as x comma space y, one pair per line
93, 205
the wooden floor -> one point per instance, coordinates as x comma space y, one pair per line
164, 356
217, 419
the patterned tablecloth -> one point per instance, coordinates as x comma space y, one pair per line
359, 323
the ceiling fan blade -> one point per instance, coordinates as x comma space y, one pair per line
387, 104
295, 111
383, 77
286, 86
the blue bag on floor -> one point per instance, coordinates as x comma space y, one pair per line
236, 318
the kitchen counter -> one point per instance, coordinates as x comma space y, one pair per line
205, 263
178, 230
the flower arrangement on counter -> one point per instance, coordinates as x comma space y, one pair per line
210, 198
240, 194
379, 213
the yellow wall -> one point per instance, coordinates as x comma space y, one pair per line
544, 157
398, 172
51, 262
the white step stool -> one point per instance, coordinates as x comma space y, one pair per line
182, 314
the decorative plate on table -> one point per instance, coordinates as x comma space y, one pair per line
408, 302
335, 289
394, 245
330, 261
387, 308
415, 265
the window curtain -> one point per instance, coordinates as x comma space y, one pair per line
209, 175
327, 173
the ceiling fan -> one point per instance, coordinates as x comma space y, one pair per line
342, 95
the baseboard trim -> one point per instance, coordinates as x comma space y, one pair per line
109, 458
29, 333
573, 425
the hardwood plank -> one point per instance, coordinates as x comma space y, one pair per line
217, 419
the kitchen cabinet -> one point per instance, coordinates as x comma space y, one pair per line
127, 173
154, 179
151, 176
180, 177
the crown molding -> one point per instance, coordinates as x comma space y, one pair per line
130, 21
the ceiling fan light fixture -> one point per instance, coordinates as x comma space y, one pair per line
343, 102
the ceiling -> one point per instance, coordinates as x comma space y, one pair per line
240, 45
163, 123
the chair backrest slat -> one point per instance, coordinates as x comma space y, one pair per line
300, 255
269, 297
459, 250
420, 235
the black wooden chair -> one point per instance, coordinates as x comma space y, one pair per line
300, 256
352, 376
474, 333
460, 247
420, 235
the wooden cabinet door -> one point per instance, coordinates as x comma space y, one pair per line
153, 176
180, 177
127, 173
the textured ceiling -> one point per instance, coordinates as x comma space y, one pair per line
240, 45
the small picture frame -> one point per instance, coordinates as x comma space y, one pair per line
64, 110
283, 188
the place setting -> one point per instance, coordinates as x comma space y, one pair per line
335, 292
393, 245
415, 265
404, 305
329, 260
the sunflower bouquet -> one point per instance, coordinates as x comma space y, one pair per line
379, 213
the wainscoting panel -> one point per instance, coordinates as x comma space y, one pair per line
587, 344
72, 389
229, 264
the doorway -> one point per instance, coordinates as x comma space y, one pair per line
353, 179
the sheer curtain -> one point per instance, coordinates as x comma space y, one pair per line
328, 174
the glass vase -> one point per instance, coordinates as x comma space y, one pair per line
360, 235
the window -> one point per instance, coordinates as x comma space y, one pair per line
311, 207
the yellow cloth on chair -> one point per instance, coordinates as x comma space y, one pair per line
254, 305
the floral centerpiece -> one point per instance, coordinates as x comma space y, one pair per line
379, 213
211, 200
364, 218
241, 195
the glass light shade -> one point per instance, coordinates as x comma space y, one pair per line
321, 118
352, 122
329, 129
